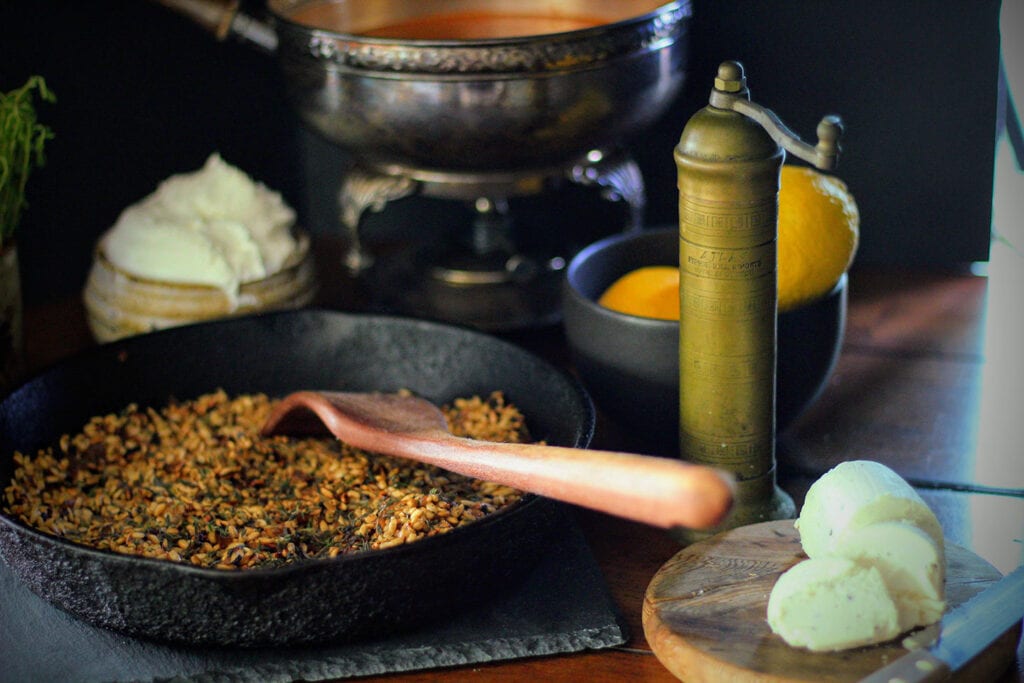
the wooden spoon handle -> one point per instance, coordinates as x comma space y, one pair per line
662, 492
213, 15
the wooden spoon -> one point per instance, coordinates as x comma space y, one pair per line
658, 491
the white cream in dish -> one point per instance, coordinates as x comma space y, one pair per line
214, 227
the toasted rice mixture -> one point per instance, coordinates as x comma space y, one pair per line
194, 482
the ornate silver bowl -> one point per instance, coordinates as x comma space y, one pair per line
478, 119
430, 108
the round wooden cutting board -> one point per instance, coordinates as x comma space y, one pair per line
704, 614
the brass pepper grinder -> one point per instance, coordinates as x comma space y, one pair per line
729, 160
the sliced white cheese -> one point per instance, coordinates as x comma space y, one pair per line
855, 494
832, 603
912, 566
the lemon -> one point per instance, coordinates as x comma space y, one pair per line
819, 226
649, 292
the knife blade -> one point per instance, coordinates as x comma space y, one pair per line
964, 633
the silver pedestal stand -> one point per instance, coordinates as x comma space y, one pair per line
487, 281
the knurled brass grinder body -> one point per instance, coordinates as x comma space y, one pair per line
729, 159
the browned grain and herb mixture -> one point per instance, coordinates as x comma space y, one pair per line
194, 482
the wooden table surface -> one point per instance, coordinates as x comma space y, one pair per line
929, 382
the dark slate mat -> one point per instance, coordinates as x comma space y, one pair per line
564, 606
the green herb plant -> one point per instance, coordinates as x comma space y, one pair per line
22, 140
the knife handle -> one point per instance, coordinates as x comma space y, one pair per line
918, 666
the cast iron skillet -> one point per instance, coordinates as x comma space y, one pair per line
318, 601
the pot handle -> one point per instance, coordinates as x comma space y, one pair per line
222, 18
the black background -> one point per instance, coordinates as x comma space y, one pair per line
143, 94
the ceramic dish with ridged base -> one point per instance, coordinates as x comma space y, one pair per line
119, 304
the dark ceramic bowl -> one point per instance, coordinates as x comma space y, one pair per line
630, 364
315, 601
